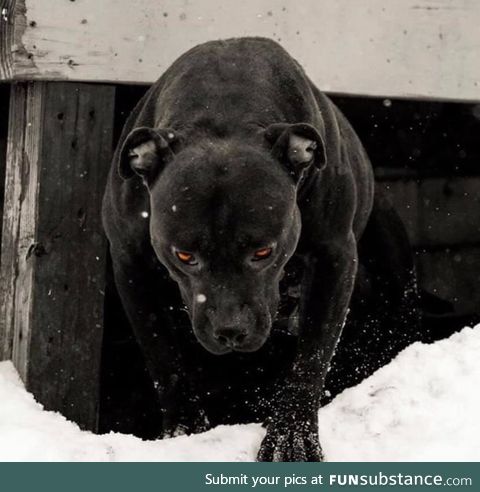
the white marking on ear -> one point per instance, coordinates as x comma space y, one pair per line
142, 154
300, 149
201, 298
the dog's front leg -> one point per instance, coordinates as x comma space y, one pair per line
292, 431
146, 297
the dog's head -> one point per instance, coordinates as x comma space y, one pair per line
224, 221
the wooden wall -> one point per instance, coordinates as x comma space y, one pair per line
442, 217
53, 252
407, 48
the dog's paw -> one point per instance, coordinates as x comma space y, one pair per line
296, 440
184, 422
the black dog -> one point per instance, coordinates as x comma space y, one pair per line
239, 194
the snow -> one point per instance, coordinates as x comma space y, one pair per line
423, 406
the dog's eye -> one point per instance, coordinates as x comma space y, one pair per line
186, 258
262, 254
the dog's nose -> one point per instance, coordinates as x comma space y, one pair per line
230, 336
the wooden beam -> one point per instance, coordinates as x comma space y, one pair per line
53, 248
399, 48
12, 28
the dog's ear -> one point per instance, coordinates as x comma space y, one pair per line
145, 151
298, 146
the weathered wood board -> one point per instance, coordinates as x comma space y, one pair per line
397, 48
4, 103
53, 248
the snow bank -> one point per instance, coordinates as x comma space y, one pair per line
423, 406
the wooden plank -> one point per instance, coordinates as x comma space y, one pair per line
399, 48
438, 211
4, 103
7, 18
452, 274
18, 226
12, 27
53, 248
